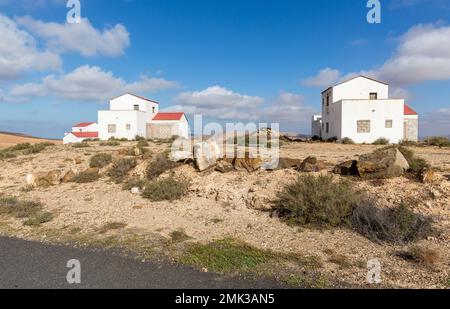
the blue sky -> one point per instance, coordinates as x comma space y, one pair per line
230, 60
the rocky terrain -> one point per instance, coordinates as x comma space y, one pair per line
236, 204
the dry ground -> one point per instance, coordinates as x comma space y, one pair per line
8, 140
229, 205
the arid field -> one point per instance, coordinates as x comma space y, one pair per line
232, 212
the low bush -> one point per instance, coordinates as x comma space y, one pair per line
393, 225
120, 169
381, 141
416, 165
406, 143
317, 201
167, 189
110, 226
139, 138
30, 210
86, 177
422, 255
110, 143
7, 155
142, 143
333, 139
316, 138
438, 141
347, 141
39, 218
81, 145
135, 183
100, 160
159, 166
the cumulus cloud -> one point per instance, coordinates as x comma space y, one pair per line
88, 83
422, 54
82, 38
19, 52
288, 109
324, 78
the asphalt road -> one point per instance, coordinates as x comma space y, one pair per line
30, 265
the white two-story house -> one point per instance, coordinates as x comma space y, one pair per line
130, 116
361, 109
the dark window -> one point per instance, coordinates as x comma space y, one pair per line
328, 127
153, 109
136, 107
373, 96
328, 100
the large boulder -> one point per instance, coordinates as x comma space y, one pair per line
68, 176
311, 165
180, 156
383, 163
347, 168
206, 155
45, 179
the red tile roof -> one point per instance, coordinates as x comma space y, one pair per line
83, 124
168, 116
409, 111
85, 134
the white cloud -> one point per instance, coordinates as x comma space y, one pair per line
219, 102
423, 54
288, 109
82, 38
19, 52
324, 78
88, 83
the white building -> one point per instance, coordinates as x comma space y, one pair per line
361, 109
130, 116
81, 132
316, 129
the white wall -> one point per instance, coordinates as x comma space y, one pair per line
92, 128
126, 102
377, 111
180, 128
359, 89
316, 125
136, 120
71, 139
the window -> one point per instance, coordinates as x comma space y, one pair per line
389, 124
328, 100
328, 127
128, 127
363, 126
136, 107
111, 128
153, 109
374, 96
323, 101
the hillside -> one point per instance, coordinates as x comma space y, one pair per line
8, 139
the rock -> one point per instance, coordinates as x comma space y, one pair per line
281, 164
137, 151
77, 161
383, 163
44, 179
428, 176
68, 176
206, 155
224, 166
248, 164
92, 170
347, 168
180, 156
311, 165
135, 190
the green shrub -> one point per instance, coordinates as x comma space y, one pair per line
317, 201
142, 143
81, 145
86, 177
406, 143
167, 189
139, 138
347, 141
316, 138
120, 169
159, 166
111, 143
18, 208
135, 183
112, 226
39, 218
19, 147
7, 155
416, 165
333, 139
381, 141
100, 160
438, 141
393, 225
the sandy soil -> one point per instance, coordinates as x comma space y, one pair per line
8, 140
221, 205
